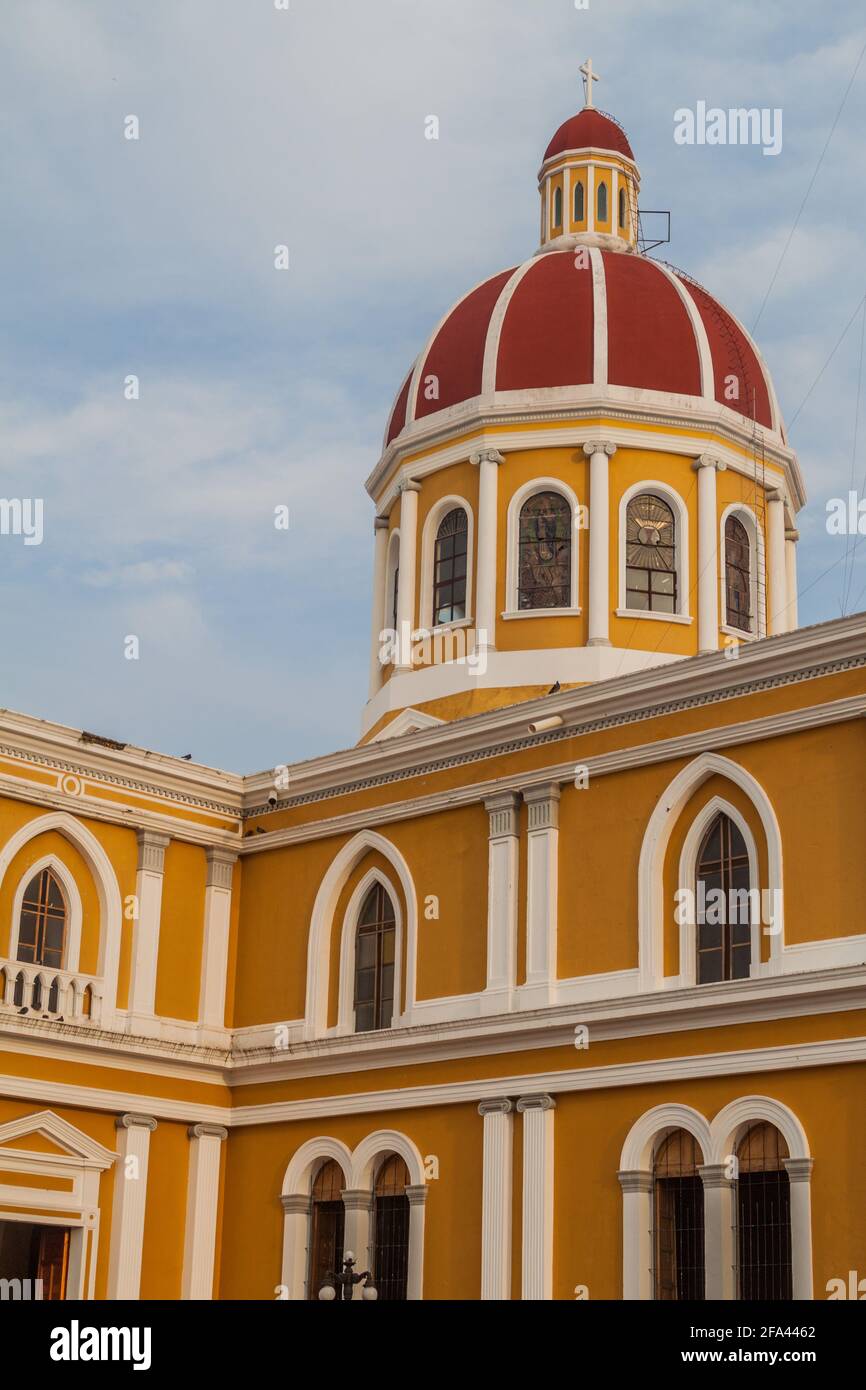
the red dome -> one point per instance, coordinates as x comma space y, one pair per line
534, 330
589, 128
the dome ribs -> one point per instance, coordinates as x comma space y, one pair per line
456, 355
733, 355
547, 333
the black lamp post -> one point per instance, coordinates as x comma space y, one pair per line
345, 1281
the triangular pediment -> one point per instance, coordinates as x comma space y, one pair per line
44, 1132
410, 721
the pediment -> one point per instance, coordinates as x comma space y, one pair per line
46, 1133
409, 721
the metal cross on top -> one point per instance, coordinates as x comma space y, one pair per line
588, 78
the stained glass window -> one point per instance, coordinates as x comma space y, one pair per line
375, 949
545, 552
738, 575
449, 572
650, 538
42, 927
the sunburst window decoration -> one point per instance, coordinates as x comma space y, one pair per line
650, 538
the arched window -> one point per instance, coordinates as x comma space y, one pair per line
724, 947
579, 204
449, 568
42, 925
602, 202
327, 1219
374, 962
738, 575
651, 560
678, 1218
622, 207
763, 1216
391, 1230
557, 207
544, 568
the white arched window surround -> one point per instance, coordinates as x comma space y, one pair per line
391, 566
432, 522
512, 568
687, 879
359, 1170
321, 930
718, 1142
681, 521
107, 889
756, 568
72, 899
651, 896
348, 941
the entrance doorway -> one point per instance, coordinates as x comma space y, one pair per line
32, 1252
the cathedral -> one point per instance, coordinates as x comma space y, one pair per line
554, 985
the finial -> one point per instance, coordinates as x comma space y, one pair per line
588, 78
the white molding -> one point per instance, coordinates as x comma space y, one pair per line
202, 1200
599, 317
129, 1206
681, 550
512, 566
348, 938
74, 915
410, 721
537, 1207
496, 1199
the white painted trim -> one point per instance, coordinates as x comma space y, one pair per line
129, 1206
348, 938
321, 925
757, 563
666, 618
599, 320
496, 1200
702, 342
74, 915
411, 721
687, 879
512, 568
203, 1183
681, 521
497, 319
432, 522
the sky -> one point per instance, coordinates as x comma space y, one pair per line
260, 388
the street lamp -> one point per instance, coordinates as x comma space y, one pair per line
345, 1281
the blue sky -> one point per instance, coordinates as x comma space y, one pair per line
261, 388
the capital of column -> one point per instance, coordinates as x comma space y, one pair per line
151, 850
708, 461
408, 485
502, 810
533, 1103
357, 1200
381, 523
714, 1175
296, 1204
220, 863
486, 456
135, 1122
775, 494
543, 805
792, 534
595, 446
417, 1194
495, 1107
635, 1181
207, 1132
799, 1169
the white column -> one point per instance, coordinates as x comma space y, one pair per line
202, 1196
542, 889
537, 1244
496, 1199
792, 536
408, 564
708, 555
488, 462
778, 601
599, 455
296, 1225
130, 1200
417, 1199
590, 197
502, 852
380, 563
719, 1225
637, 1280
145, 949
800, 1179
215, 945
356, 1234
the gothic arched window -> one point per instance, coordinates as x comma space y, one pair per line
42, 924
622, 207
651, 558
544, 567
579, 208
391, 1230
724, 946
738, 575
764, 1261
449, 568
602, 202
375, 948
557, 207
678, 1219
327, 1221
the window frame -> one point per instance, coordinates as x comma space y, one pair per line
681, 552
346, 1000
687, 880
429, 532
74, 914
757, 561
512, 577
